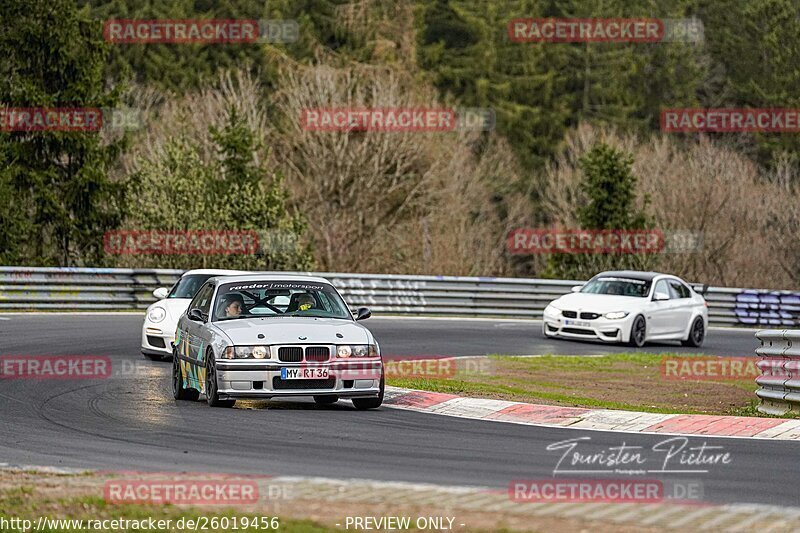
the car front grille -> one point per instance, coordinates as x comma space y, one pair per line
305, 384
294, 354
577, 331
317, 353
570, 314
590, 316
290, 354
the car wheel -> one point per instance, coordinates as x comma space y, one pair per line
369, 403
212, 391
326, 400
638, 332
697, 334
178, 392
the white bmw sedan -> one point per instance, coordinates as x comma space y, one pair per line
161, 318
630, 307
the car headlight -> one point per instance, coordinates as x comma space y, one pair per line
246, 352
616, 315
356, 350
156, 314
552, 309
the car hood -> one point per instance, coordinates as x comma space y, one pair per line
289, 330
599, 303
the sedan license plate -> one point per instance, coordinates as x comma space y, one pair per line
579, 323
304, 373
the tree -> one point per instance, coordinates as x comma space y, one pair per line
756, 46
610, 185
54, 56
232, 191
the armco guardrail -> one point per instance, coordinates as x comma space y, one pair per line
37, 288
779, 363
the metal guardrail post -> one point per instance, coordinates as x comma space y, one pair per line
779, 363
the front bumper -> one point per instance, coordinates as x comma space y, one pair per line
156, 341
250, 379
602, 329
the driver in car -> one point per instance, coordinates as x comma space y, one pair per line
233, 305
305, 302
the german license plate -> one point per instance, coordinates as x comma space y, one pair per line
579, 323
304, 373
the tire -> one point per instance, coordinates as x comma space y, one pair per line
212, 396
697, 334
178, 392
363, 404
638, 332
325, 400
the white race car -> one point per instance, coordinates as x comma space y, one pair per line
629, 306
161, 319
275, 336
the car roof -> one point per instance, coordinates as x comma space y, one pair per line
214, 272
273, 277
631, 274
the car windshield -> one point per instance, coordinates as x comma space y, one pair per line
188, 286
278, 299
618, 286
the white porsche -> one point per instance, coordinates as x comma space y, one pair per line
631, 307
161, 318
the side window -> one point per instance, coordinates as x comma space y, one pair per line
678, 290
662, 286
202, 299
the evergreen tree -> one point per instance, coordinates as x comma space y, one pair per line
232, 192
54, 56
755, 45
610, 187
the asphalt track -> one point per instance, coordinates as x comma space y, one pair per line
129, 421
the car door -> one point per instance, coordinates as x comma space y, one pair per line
203, 334
660, 317
683, 306
193, 330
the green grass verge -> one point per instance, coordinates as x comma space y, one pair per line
622, 381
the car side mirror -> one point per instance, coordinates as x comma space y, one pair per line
576, 288
161, 293
363, 313
659, 296
196, 315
